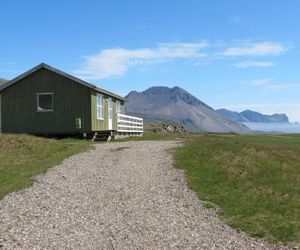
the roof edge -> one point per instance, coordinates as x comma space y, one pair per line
62, 73
103, 91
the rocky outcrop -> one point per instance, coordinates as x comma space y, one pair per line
164, 128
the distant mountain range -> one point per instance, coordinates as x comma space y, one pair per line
2, 81
252, 116
176, 104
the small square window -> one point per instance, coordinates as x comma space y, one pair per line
45, 102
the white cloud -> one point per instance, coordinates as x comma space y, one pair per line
263, 105
256, 49
267, 83
259, 82
117, 61
283, 85
247, 64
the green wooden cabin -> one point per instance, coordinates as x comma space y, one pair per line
46, 101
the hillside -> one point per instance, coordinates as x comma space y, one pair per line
252, 116
2, 81
176, 104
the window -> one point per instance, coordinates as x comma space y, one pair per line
118, 107
100, 115
44, 102
110, 113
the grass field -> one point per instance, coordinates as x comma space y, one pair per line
23, 156
255, 180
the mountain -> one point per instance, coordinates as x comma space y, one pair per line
2, 81
177, 105
232, 115
252, 116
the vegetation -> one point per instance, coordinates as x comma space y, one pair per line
253, 179
24, 156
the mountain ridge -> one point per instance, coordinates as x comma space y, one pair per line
2, 81
178, 105
253, 116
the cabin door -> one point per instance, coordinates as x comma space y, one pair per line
110, 113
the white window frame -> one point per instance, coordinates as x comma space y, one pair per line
118, 107
99, 107
110, 108
38, 102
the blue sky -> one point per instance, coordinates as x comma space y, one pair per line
228, 53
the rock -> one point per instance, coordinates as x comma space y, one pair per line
165, 128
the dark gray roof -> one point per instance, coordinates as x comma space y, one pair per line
57, 71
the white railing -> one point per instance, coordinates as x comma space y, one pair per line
130, 124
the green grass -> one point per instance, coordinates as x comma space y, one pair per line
24, 156
255, 180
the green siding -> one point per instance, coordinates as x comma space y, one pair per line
19, 105
98, 125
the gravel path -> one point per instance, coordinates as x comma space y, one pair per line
117, 196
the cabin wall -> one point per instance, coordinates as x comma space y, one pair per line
98, 125
70, 100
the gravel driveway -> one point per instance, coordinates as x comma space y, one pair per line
117, 196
